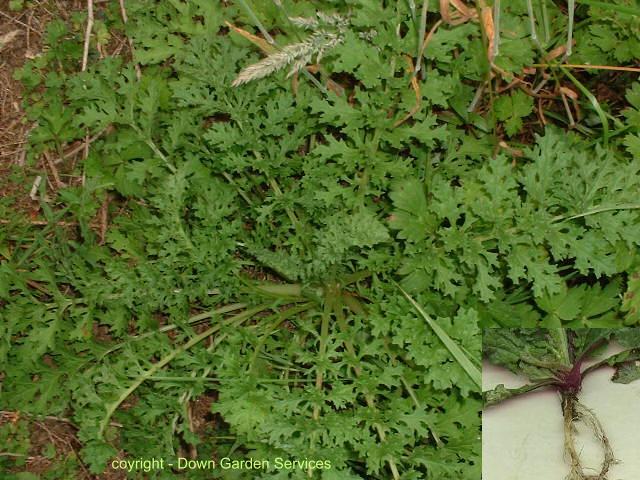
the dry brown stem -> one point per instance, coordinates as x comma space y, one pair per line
87, 35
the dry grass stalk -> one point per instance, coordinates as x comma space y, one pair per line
328, 30
87, 35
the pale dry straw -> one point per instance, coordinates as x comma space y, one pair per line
328, 32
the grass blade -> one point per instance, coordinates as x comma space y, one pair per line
111, 407
572, 10
594, 103
456, 351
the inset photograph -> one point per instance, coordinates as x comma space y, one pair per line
561, 404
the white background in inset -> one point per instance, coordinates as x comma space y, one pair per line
522, 438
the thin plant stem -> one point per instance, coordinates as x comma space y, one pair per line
290, 212
562, 218
412, 10
87, 35
186, 396
591, 67
150, 143
357, 308
594, 102
254, 18
201, 317
206, 378
324, 336
545, 21
572, 8
113, 406
498, 395
419, 407
240, 191
421, 33
532, 23
496, 31
272, 41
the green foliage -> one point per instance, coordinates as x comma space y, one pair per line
16, 5
611, 37
484, 227
15, 440
512, 109
281, 215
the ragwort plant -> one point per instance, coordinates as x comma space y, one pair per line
256, 231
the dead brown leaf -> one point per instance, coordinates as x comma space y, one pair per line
8, 37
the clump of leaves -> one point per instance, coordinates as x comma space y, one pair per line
611, 37
555, 358
332, 194
214, 189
